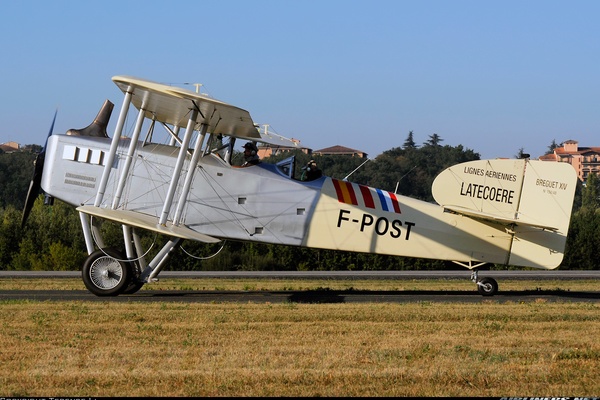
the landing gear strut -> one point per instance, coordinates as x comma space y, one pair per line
485, 286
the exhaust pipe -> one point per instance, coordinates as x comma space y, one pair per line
98, 127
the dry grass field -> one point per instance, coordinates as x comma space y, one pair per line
106, 348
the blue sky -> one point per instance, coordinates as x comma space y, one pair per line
494, 76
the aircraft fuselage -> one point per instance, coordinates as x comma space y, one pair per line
261, 203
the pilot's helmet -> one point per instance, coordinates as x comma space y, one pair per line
250, 146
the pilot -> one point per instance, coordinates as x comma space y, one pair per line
250, 155
311, 171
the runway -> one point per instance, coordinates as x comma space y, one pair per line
459, 274
309, 296
316, 296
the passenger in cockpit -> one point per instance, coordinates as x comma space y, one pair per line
311, 172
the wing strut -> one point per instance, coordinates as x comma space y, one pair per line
158, 262
178, 167
113, 147
128, 158
190, 175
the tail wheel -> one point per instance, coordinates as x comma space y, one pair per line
105, 274
487, 287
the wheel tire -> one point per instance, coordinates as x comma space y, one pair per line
104, 274
487, 287
134, 274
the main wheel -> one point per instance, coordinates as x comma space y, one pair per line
105, 274
487, 287
135, 271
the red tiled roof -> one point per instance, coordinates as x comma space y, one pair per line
580, 150
549, 157
337, 149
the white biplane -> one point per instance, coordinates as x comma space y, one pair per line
501, 211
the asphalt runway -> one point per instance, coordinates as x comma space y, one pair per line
309, 296
318, 296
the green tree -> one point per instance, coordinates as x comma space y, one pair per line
10, 235
409, 143
16, 170
521, 154
413, 171
584, 230
591, 194
50, 230
552, 147
434, 140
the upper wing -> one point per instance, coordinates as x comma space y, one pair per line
172, 105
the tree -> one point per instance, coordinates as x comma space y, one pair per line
10, 235
434, 140
552, 146
521, 154
584, 231
590, 199
409, 143
16, 170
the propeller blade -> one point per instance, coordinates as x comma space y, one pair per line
49, 132
36, 180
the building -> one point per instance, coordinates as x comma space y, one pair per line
265, 150
9, 147
338, 150
585, 160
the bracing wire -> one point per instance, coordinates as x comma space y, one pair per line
126, 260
204, 258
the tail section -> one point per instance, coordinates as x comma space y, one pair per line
547, 196
532, 199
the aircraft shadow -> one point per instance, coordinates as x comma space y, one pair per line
325, 296
335, 296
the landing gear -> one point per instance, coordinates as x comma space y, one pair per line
106, 273
485, 286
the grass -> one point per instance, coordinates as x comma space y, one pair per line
76, 349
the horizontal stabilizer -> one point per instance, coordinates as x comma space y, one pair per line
491, 217
145, 221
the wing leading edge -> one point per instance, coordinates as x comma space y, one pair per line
149, 222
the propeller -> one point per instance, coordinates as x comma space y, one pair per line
36, 180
